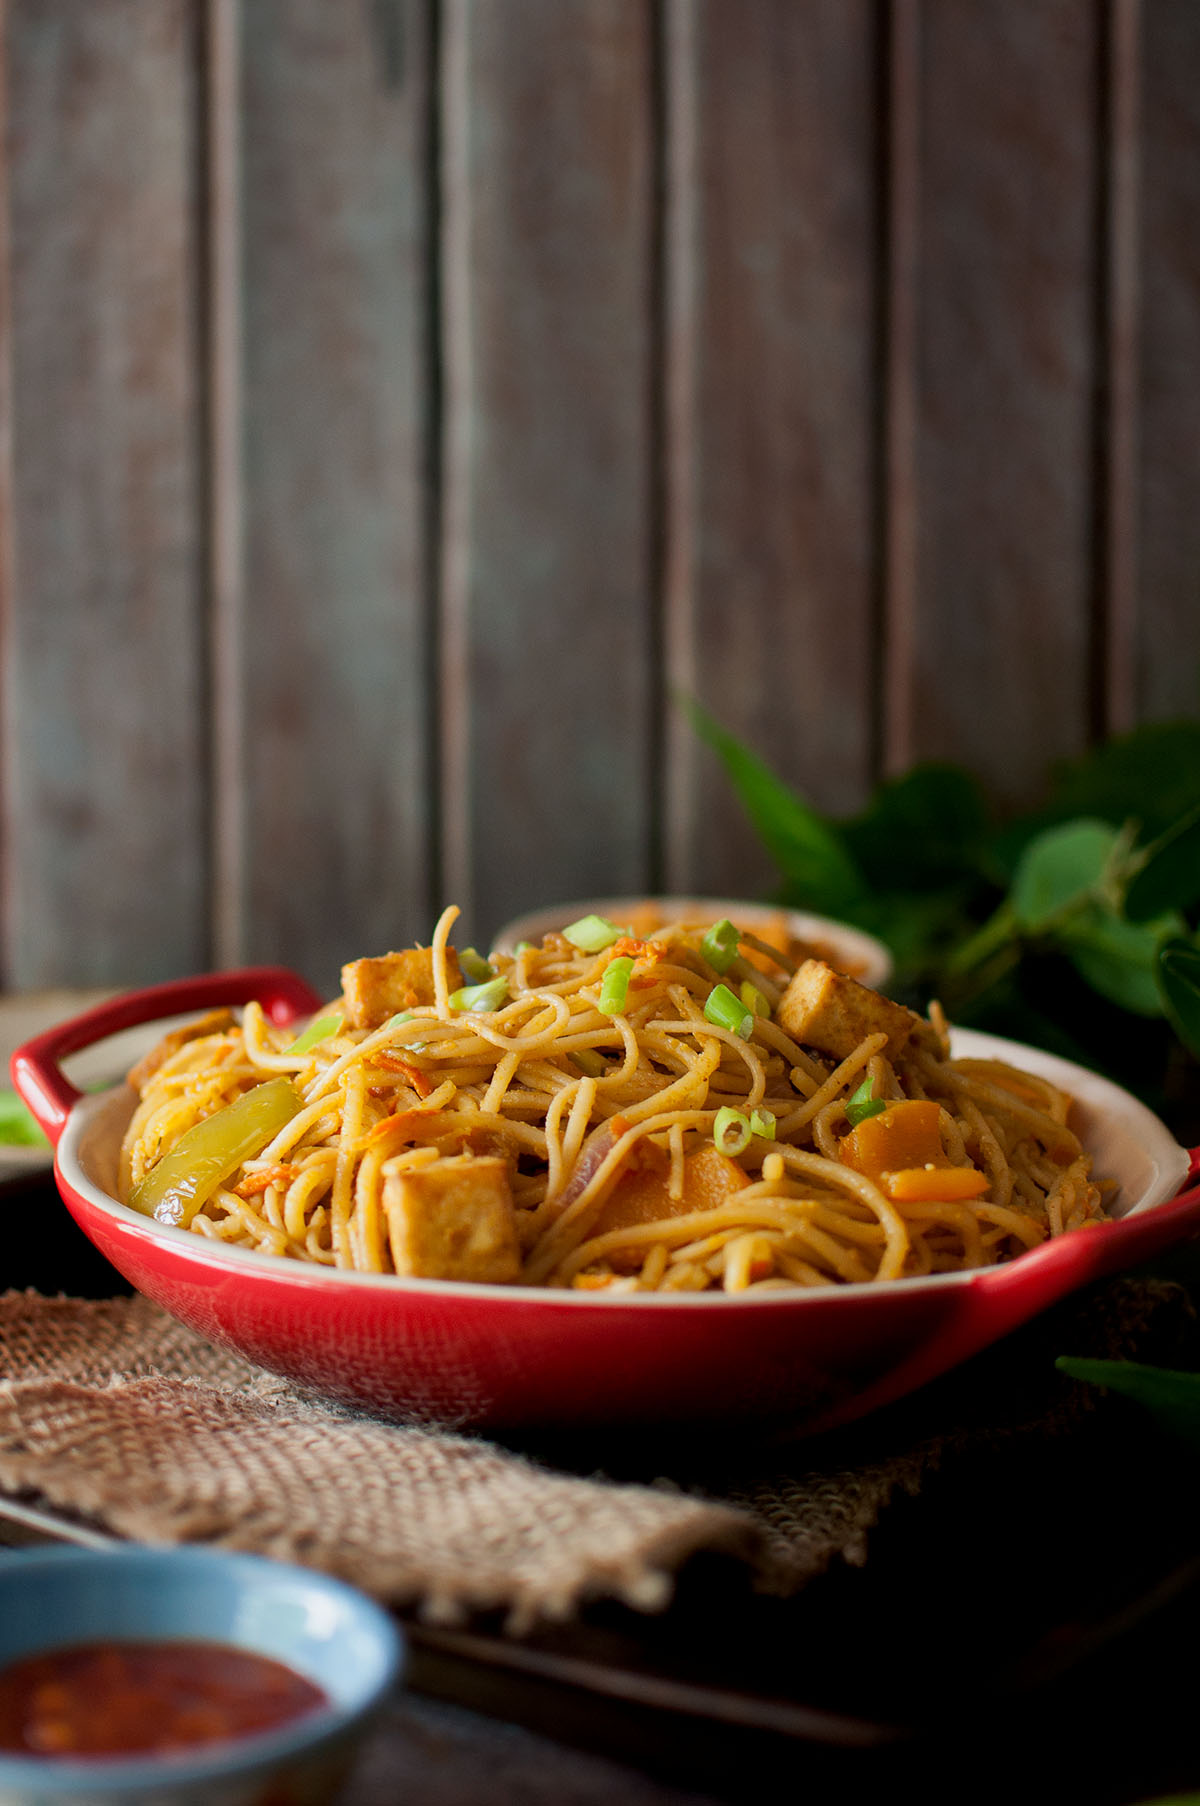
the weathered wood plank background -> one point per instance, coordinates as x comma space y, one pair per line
403, 401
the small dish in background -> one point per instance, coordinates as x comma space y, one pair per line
803, 935
329, 1634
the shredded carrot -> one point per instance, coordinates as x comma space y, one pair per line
261, 1181
420, 1081
630, 947
404, 1122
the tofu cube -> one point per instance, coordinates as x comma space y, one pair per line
453, 1219
374, 989
832, 1013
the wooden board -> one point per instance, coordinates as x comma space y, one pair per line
991, 661
548, 680
330, 855
104, 775
772, 345
403, 402
1165, 650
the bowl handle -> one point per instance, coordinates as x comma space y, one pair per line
47, 1090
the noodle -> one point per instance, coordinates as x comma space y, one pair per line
518, 1132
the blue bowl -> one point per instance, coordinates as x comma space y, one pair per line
335, 1636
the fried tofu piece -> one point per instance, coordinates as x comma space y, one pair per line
374, 989
832, 1013
214, 1022
453, 1219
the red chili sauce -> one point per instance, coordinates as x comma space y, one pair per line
152, 1699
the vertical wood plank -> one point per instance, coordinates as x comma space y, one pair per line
1166, 644
224, 474
549, 629
103, 679
1122, 127
1006, 347
900, 298
773, 332
336, 395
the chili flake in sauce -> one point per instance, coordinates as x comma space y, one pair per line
154, 1698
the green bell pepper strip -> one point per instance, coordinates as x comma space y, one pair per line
182, 1182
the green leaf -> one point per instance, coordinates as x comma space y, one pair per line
922, 830
1169, 878
808, 850
1171, 1397
1179, 986
1151, 776
1118, 958
18, 1125
1060, 869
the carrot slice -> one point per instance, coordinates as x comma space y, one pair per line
933, 1185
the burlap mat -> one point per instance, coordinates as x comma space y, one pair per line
114, 1411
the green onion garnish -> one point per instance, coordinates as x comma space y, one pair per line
731, 1130
319, 1029
524, 947
592, 934
396, 1020
474, 966
863, 1103
753, 999
589, 1062
614, 986
762, 1122
480, 999
725, 1010
720, 945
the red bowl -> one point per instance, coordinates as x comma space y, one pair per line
508, 1356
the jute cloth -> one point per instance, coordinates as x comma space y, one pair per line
114, 1412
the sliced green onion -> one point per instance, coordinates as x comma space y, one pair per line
762, 1122
524, 947
395, 1021
589, 1062
731, 1130
753, 999
213, 1149
480, 999
592, 934
725, 1010
474, 966
319, 1029
614, 986
720, 945
863, 1103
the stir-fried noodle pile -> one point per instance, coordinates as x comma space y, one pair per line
678, 1113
